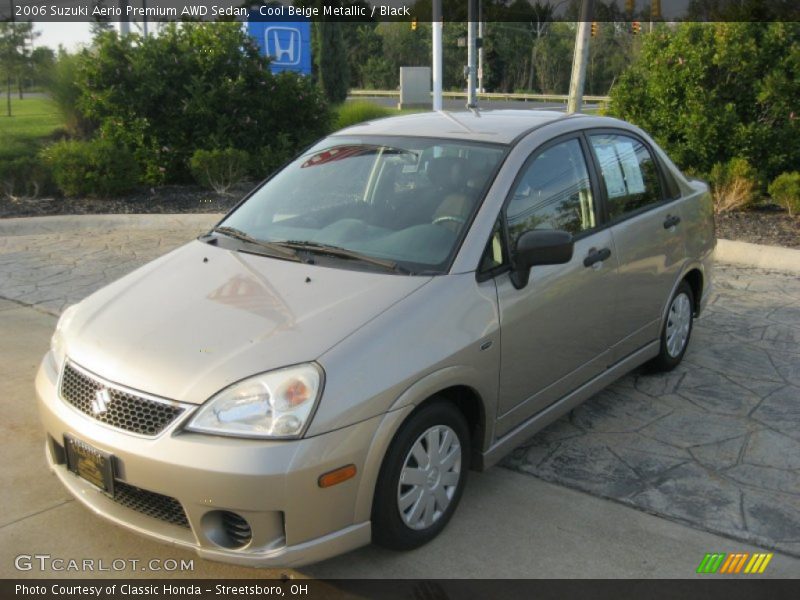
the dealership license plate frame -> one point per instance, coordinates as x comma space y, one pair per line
90, 464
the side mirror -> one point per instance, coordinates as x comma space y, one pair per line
540, 247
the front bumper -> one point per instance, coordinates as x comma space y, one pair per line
271, 484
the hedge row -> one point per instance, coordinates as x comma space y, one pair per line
102, 169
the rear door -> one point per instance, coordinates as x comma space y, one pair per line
643, 209
557, 330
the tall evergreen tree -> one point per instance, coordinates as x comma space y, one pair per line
333, 73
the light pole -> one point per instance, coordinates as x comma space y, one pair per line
436, 51
472, 69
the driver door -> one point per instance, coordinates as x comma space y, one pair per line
557, 330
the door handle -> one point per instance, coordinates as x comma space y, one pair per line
671, 221
596, 256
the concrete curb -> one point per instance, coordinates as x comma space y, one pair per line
68, 223
757, 255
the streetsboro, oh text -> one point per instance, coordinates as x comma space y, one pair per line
167, 589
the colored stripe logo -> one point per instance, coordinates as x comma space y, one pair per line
734, 563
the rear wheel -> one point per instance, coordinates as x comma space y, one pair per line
676, 331
422, 477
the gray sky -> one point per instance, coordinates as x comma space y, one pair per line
70, 35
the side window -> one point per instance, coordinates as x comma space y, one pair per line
629, 173
553, 193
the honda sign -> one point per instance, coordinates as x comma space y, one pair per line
287, 44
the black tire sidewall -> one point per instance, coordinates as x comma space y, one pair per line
388, 528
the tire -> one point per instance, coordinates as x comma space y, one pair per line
425, 488
676, 331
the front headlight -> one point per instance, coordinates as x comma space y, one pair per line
57, 343
277, 404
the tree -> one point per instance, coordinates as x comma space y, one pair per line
194, 86
712, 92
14, 54
331, 58
42, 61
363, 44
100, 24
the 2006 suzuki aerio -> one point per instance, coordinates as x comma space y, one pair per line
410, 298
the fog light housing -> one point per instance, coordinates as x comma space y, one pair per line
227, 529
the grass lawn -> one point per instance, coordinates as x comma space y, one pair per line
32, 120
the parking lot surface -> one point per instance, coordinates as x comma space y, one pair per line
714, 445
716, 442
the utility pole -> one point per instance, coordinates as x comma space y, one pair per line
124, 24
481, 26
472, 68
144, 19
436, 51
579, 58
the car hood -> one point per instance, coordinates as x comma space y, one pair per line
202, 317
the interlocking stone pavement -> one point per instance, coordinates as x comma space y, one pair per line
52, 262
714, 444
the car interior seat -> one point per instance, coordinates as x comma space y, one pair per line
449, 175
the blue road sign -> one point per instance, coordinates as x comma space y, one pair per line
286, 43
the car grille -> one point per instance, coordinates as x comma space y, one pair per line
124, 410
151, 504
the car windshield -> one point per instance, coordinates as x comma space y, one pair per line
403, 202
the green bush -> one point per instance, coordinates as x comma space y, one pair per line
351, 113
271, 157
193, 86
91, 168
733, 185
709, 92
63, 89
25, 177
785, 190
219, 169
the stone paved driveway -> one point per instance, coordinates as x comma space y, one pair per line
52, 262
715, 443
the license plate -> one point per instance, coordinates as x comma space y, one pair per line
89, 463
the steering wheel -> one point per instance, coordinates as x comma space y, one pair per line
449, 219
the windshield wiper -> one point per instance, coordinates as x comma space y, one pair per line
277, 249
340, 252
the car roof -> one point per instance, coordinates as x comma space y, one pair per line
498, 126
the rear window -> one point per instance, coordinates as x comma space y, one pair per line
629, 173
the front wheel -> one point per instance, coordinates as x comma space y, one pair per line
422, 477
676, 331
